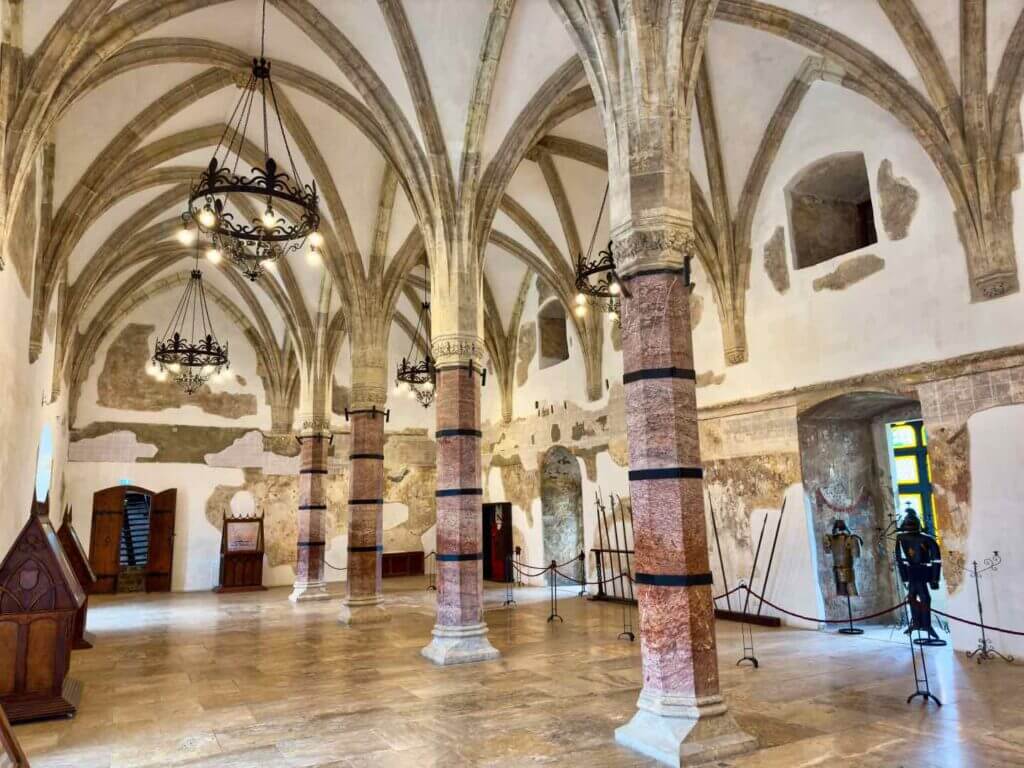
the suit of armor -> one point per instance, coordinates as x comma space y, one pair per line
919, 560
844, 547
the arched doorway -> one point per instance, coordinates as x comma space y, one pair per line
131, 546
561, 495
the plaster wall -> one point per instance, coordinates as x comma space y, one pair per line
997, 496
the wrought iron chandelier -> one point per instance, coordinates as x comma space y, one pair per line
597, 282
253, 244
189, 349
418, 378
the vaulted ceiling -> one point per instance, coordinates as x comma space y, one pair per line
140, 91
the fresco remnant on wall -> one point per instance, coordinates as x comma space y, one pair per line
123, 385
526, 349
561, 494
849, 273
899, 201
775, 260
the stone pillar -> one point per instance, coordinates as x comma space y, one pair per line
681, 717
460, 634
309, 567
363, 593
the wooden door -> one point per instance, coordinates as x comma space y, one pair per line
161, 541
105, 541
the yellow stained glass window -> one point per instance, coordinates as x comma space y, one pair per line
903, 435
906, 469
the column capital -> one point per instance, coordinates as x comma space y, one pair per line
316, 425
451, 348
665, 246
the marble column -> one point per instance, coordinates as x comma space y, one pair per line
682, 718
363, 593
460, 634
309, 567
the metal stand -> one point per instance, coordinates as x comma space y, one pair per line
432, 573
985, 651
771, 558
510, 583
554, 593
718, 549
746, 631
627, 621
583, 574
921, 684
850, 630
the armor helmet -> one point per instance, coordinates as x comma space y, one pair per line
911, 523
839, 526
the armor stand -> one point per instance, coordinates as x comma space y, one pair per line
552, 569
850, 630
921, 684
985, 651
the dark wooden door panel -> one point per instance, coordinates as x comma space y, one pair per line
161, 541
105, 541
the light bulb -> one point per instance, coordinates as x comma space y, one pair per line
614, 316
269, 264
403, 387
186, 236
428, 386
152, 369
269, 218
161, 376
614, 289
174, 368
316, 239
397, 390
581, 310
207, 217
206, 370
580, 299
213, 255
313, 257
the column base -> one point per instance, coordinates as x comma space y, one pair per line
363, 611
681, 731
460, 645
309, 591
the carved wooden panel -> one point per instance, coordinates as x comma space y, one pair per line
161, 541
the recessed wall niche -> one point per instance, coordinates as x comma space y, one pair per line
830, 210
554, 339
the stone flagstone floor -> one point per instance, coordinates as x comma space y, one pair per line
252, 681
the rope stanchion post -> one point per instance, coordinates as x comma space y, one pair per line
627, 617
746, 631
431, 571
510, 582
985, 651
553, 581
583, 572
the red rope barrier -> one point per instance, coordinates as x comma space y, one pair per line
978, 624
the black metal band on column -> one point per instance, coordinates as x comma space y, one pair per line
674, 579
313, 472
312, 506
311, 544
469, 367
374, 411
357, 502
458, 433
458, 492
659, 373
372, 548
354, 456
329, 438
459, 557
667, 473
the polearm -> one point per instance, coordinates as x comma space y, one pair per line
625, 544
771, 557
618, 550
718, 546
607, 537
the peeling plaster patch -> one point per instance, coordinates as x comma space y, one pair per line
121, 446
246, 451
122, 384
696, 309
556, 433
710, 379
850, 272
340, 398
775, 260
522, 486
414, 487
241, 380
177, 444
949, 452
899, 201
525, 351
